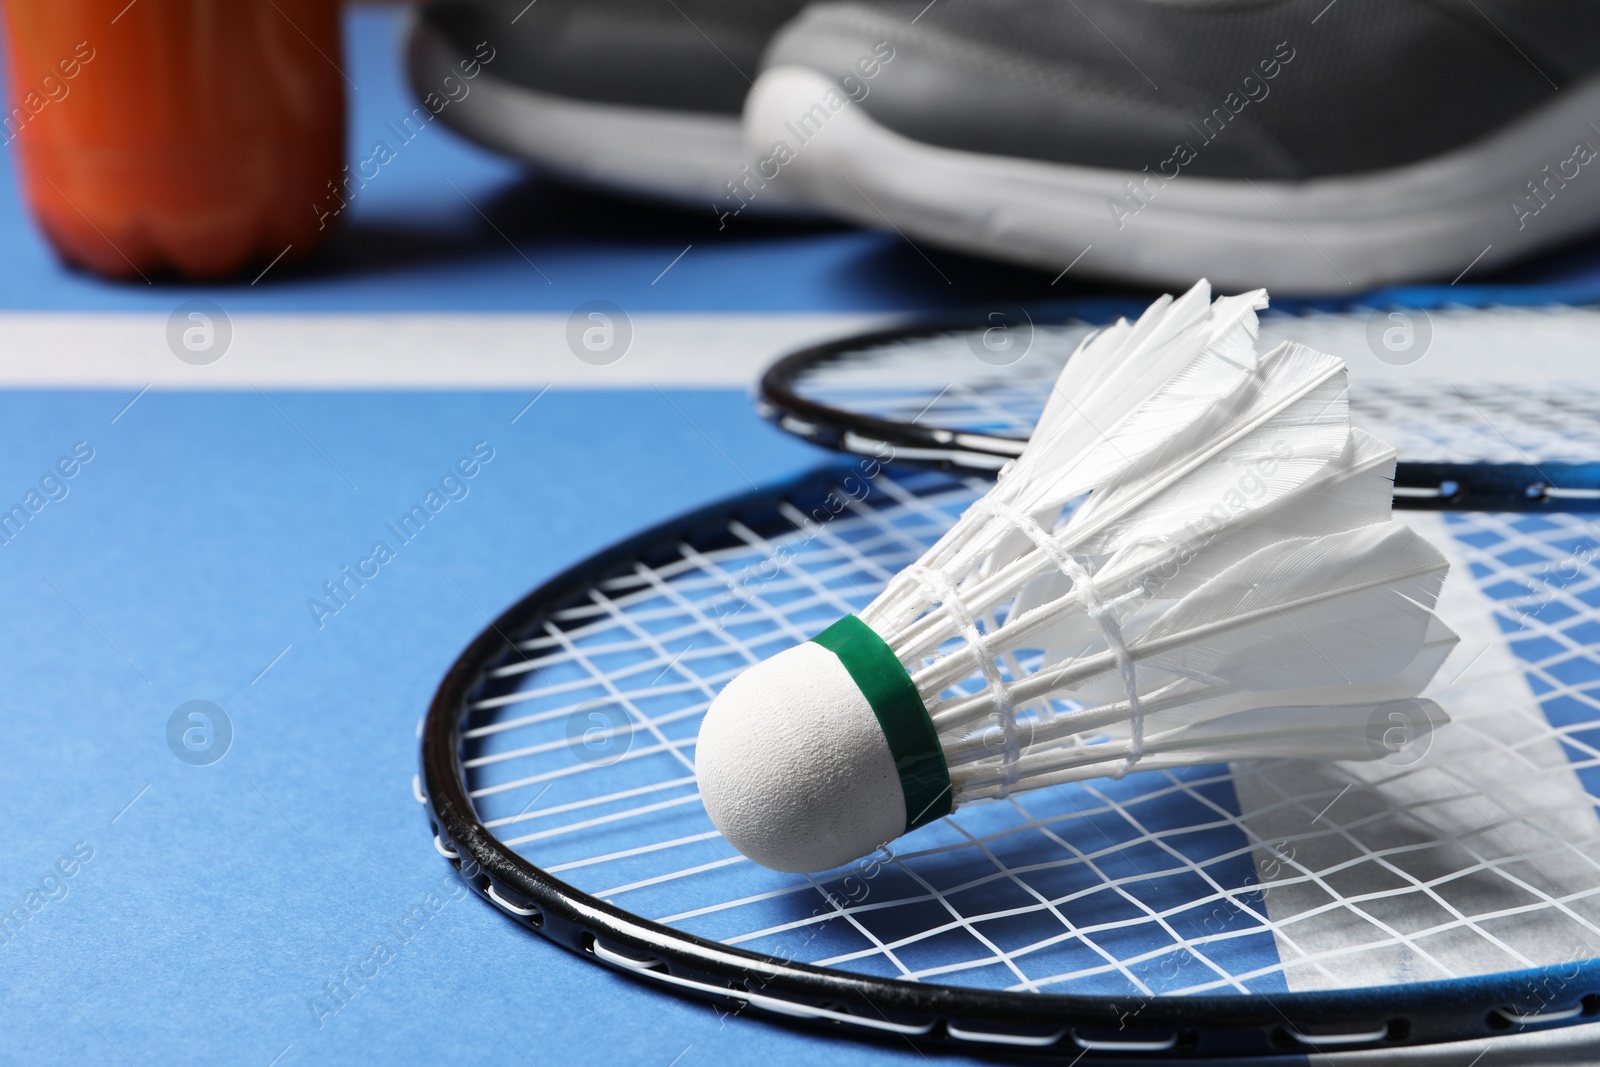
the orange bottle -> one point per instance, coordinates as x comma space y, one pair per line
176, 136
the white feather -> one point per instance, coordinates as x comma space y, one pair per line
1288, 427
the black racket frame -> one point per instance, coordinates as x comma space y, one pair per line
1049, 1025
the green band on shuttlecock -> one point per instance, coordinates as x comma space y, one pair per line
913, 741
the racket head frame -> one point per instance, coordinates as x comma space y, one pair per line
1419, 486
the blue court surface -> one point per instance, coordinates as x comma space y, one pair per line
285, 904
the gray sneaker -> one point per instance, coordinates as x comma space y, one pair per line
1306, 145
640, 96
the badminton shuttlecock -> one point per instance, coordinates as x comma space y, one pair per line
1229, 586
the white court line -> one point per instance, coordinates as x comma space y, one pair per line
479, 350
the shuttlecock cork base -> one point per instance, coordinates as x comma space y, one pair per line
1192, 561
821, 754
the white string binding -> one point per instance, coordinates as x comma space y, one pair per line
939, 587
1096, 608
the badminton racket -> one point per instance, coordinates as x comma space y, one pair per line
1447, 891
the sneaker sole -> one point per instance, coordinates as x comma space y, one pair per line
683, 157
1434, 219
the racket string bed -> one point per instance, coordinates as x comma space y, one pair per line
1252, 879
1504, 422
1472, 429
938, 381
1507, 422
